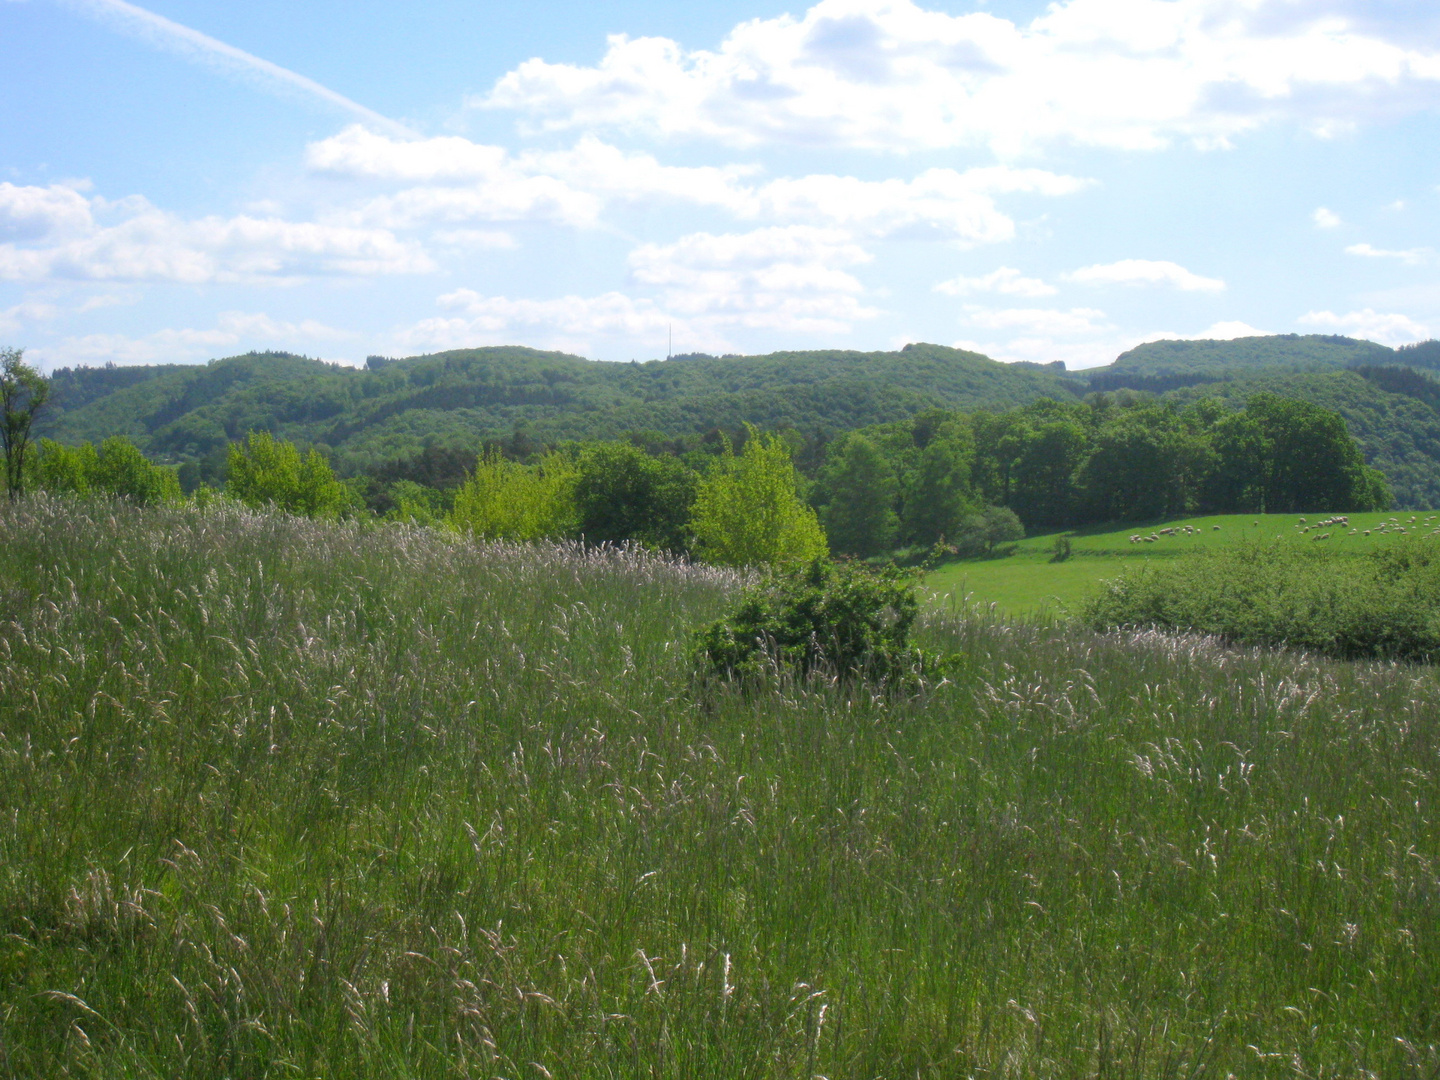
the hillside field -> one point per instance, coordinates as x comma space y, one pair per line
1028, 582
287, 799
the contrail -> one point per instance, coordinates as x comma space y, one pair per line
193, 45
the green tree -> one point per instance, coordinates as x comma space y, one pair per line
1145, 462
1043, 479
505, 500
748, 510
121, 469
65, 470
23, 393
1312, 463
623, 493
266, 471
116, 467
859, 516
939, 495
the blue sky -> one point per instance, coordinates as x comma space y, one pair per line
189, 179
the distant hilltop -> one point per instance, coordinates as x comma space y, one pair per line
397, 407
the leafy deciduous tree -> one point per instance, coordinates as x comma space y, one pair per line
860, 518
748, 511
266, 471
505, 500
23, 393
623, 493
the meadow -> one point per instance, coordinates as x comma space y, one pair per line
281, 798
1028, 582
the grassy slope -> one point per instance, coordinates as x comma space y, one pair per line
273, 804
1028, 581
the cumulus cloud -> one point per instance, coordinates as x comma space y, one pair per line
1007, 281
790, 278
704, 286
455, 179
26, 313
33, 213
233, 331
1229, 331
891, 75
58, 234
1144, 272
1047, 322
1325, 219
1386, 328
1409, 256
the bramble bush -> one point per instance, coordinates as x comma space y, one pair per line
842, 618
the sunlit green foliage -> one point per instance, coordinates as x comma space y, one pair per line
116, 467
506, 500
266, 471
748, 510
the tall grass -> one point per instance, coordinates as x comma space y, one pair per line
281, 799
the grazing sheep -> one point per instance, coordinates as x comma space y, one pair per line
1215, 527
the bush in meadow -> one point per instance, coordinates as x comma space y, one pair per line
1383, 605
841, 618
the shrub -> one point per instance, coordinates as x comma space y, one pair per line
1384, 605
505, 500
985, 532
843, 618
266, 471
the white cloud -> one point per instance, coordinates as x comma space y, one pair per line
890, 75
1229, 331
59, 237
1031, 322
1007, 281
233, 331
572, 186
27, 312
1144, 272
1410, 256
1325, 219
789, 278
33, 213
1387, 329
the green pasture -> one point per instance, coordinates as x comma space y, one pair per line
1027, 581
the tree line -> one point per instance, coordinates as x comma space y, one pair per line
968, 481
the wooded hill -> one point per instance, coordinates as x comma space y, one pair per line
392, 409
1390, 398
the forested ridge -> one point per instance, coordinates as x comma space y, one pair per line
394, 408
425, 418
